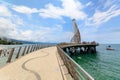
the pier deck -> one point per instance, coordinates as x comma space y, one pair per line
43, 64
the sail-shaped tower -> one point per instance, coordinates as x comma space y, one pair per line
76, 37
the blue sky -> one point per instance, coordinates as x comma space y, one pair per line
51, 20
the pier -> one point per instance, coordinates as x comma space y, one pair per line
36, 62
79, 48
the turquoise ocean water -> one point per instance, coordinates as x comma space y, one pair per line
104, 65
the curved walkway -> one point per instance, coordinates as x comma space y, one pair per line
38, 65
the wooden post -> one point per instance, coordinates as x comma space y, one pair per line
18, 53
73, 71
0, 52
10, 55
34, 48
38, 46
24, 51
28, 50
95, 49
31, 48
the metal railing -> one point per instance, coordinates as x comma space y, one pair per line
75, 70
11, 54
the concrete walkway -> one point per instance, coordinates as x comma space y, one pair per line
39, 65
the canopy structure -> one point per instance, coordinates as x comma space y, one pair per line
76, 37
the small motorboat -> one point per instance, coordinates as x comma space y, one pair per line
109, 48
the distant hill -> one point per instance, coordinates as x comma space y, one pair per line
14, 41
30, 42
5, 41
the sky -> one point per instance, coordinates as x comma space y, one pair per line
51, 20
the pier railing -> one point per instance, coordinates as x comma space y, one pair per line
75, 70
11, 54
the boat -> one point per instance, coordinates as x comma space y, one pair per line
109, 48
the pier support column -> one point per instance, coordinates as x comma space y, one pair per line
28, 50
0, 52
18, 52
85, 49
34, 48
10, 55
89, 49
95, 49
24, 51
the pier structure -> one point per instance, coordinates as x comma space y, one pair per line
76, 49
37, 63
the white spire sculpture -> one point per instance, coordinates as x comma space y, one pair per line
76, 37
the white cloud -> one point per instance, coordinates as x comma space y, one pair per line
25, 9
50, 11
51, 34
101, 17
12, 26
109, 3
89, 3
4, 11
10, 29
4, 26
44, 34
70, 8
9, 23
